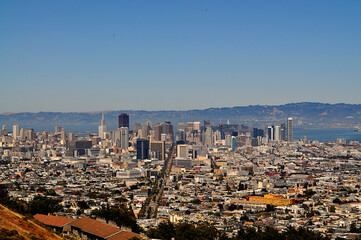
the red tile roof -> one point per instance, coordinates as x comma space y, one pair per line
124, 236
53, 220
95, 227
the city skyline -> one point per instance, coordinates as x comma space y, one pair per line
92, 56
159, 176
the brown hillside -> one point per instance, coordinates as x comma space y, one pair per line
26, 228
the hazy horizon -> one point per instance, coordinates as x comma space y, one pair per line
160, 110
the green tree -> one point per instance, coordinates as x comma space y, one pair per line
354, 228
270, 208
121, 215
44, 205
185, 231
302, 234
164, 231
83, 205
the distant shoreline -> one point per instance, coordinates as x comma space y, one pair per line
323, 127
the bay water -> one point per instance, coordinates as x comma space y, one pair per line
326, 134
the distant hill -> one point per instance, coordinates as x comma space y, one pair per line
16, 226
307, 113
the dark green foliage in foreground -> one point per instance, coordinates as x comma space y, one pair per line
134, 238
270, 233
205, 231
42, 205
121, 215
183, 231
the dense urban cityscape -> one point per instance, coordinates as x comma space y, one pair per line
180, 120
231, 176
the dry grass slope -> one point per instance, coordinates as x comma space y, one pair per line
25, 228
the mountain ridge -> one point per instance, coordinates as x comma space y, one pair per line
197, 109
304, 114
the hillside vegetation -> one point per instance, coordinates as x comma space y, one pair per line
16, 226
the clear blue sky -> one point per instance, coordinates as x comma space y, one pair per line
160, 55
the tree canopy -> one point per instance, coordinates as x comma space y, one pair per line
206, 231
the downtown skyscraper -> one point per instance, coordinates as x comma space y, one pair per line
289, 129
123, 120
102, 129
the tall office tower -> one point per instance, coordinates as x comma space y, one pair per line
254, 142
181, 135
16, 131
29, 134
151, 135
257, 133
216, 137
163, 137
206, 124
182, 151
157, 150
196, 138
157, 131
189, 127
102, 129
140, 133
189, 137
137, 127
149, 123
123, 120
260, 132
63, 136
242, 139
197, 126
22, 133
146, 130
270, 133
289, 130
115, 137
181, 126
57, 129
5, 130
208, 136
124, 138
79, 147
277, 133
283, 131
142, 149
233, 144
228, 140
167, 128
221, 130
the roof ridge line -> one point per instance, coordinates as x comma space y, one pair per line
121, 230
68, 222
